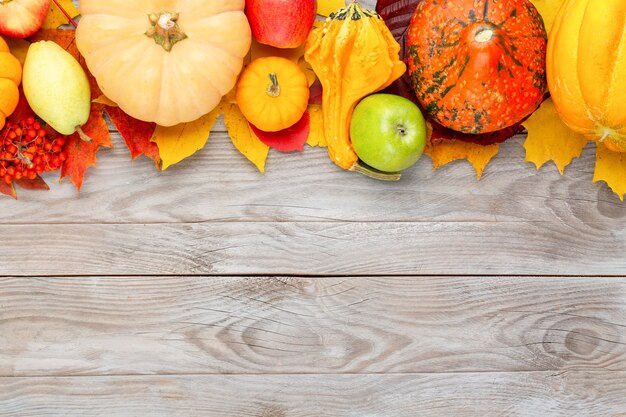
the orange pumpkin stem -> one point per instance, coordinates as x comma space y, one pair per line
164, 29
273, 89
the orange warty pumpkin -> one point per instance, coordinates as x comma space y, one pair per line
273, 93
477, 66
587, 69
164, 61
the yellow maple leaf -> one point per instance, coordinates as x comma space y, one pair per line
611, 168
549, 139
244, 138
452, 150
104, 100
56, 18
548, 10
326, 7
181, 141
316, 130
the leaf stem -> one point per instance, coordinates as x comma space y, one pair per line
65, 13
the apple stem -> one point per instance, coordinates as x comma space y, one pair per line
368, 171
83, 135
65, 13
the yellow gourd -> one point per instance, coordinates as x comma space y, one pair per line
587, 69
273, 93
353, 54
10, 78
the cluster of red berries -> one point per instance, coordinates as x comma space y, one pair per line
26, 151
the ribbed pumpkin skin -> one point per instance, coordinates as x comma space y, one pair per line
587, 69
477, 66
153, 84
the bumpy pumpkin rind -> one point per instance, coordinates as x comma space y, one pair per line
477, 66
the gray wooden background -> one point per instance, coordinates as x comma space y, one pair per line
212, 290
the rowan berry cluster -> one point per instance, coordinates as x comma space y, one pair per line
26, 151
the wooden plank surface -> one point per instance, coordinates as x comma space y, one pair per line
360, 298
546, 394
218, 184
184, 325
314, 248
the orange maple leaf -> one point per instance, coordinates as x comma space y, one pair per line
80, 154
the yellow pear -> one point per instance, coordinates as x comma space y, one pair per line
56, 88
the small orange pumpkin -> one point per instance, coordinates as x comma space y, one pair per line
10, 78
273, 93
587, 69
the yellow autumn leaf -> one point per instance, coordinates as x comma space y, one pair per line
548, 10
316, 130
104, 100
181, 141
611, 168
243, 138
452, 150
326, 7
308, 71
56, 18
549, 139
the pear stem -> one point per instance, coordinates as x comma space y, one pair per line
368, 171
83, 136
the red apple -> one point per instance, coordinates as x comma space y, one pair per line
281, 23
22, 18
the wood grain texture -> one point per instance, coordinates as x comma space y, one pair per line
331, 248
188, 325
219, 184
546, 394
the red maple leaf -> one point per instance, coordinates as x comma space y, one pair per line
37, 184
136, 133
8, 189
287, 140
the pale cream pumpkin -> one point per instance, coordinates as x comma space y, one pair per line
164, 61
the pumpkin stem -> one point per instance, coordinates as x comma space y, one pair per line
164, 29
484, 34
273, 90
368, 171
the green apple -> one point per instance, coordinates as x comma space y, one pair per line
388, 132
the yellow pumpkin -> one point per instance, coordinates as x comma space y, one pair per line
10, 78
273, 93
164, 61
587, 69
